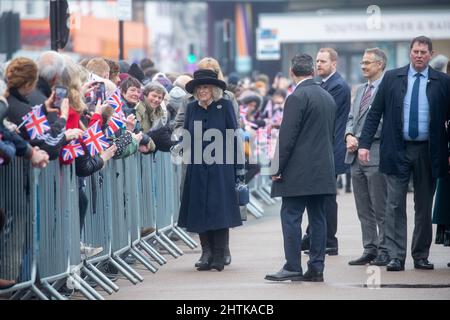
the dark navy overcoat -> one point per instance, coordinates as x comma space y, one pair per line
209, 200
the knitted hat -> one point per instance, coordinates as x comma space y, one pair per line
176, 96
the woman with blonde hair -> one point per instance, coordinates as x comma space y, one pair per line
21, 76
213, 64
209, 205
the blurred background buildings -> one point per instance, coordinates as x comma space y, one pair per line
246, 36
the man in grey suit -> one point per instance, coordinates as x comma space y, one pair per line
369, 185
306, 174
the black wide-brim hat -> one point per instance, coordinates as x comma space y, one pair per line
202, 77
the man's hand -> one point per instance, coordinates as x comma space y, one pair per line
352, 143
39, 158
276, 178
73, 134
363, 156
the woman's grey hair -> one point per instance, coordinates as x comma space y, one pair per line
154, 86
50, 64
379, 55
217, 93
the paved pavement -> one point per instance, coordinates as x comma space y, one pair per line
257, 249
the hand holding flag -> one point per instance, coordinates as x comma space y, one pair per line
94, 139
72, 150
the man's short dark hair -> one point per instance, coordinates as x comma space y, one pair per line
302, 65
422, 40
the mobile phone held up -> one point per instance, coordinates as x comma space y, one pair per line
61, 93
100, 92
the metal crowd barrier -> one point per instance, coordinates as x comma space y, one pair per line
40, 245
18, 239
259, 187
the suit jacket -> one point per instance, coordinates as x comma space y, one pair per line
305, 143
340, 91
389, 104
355, 124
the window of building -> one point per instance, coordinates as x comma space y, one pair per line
30, 7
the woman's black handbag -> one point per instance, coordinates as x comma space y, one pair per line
242, 194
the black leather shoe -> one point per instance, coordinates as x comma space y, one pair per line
331, 251
284, 275
313, 276
423, 264
381, 260
395, 265
363, 260
227, 256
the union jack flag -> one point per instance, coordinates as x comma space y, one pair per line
72, 150
115, 101
36, 123
114, 124
94, 139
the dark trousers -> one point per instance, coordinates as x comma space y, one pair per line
331, 209
292, 209
83, 205
417, 161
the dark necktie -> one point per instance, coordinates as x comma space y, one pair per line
414, 109
365, 100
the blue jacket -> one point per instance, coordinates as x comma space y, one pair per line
389, 104
340, 91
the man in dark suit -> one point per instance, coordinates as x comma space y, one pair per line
305, 176
415, 103
333, 82
369, 185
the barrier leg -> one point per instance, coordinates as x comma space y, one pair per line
152, 252
262, 196
171, 243
124, 271
97, 272
18, 294
38, 293
165, 246
33, 291
184, 237
256, 203
102, 284
53, 291
254, 211
130, 270
143, 260
79, 287
91, 290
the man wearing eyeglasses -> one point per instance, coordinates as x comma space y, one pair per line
369, 185
414, 102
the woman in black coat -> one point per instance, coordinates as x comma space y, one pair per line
209, 204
